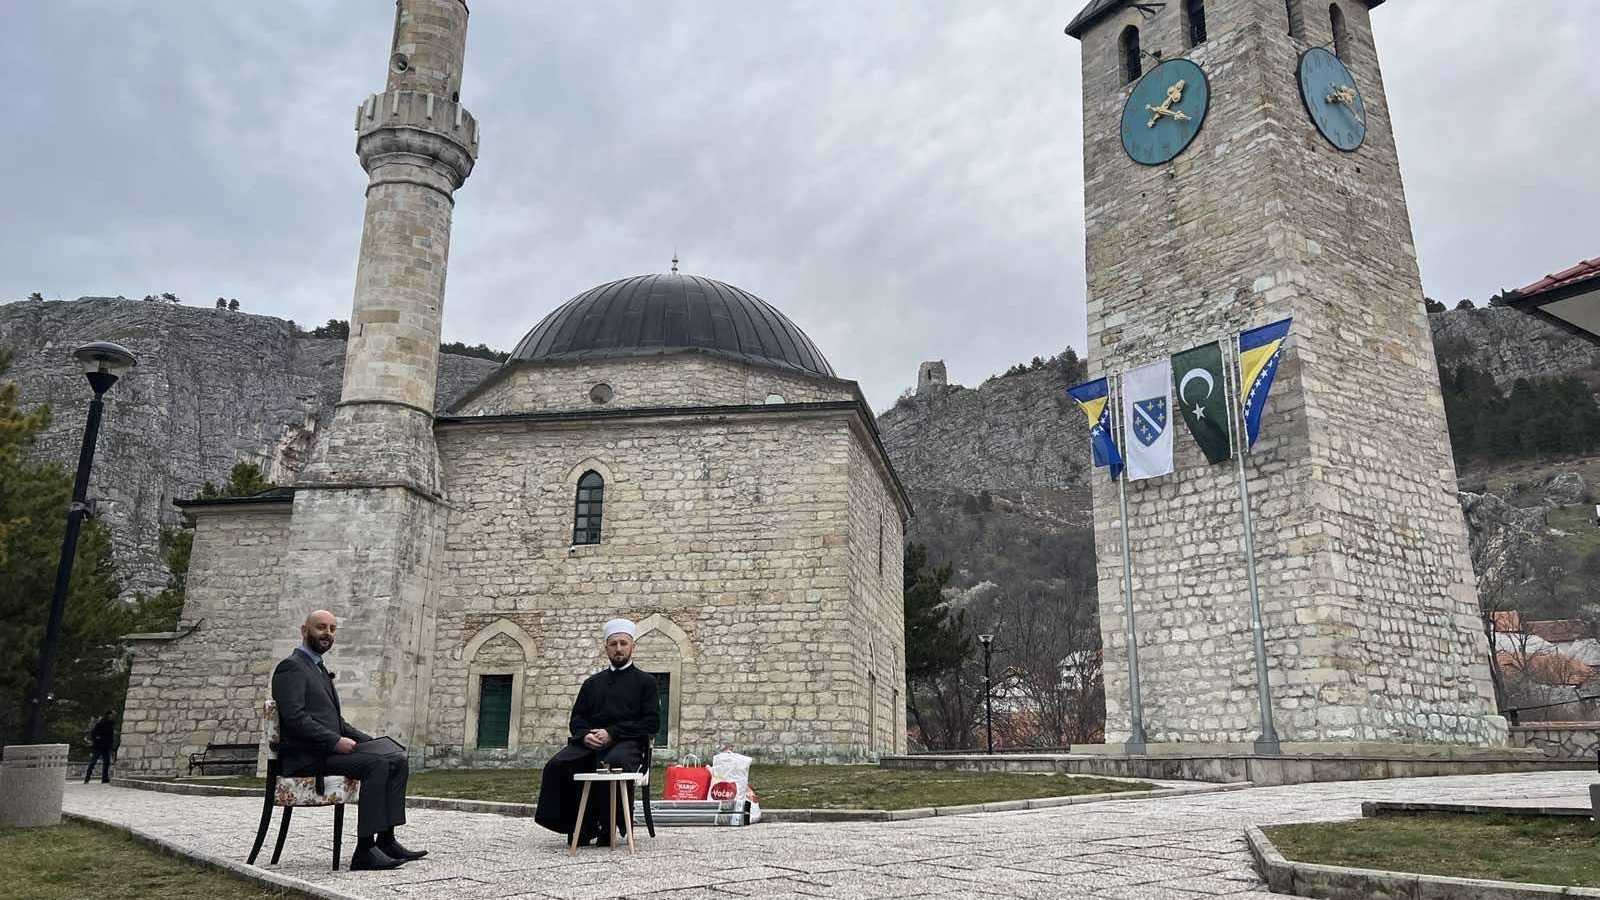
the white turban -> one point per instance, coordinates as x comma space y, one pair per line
620, 626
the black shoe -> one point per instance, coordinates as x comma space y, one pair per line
393, 850
372, 858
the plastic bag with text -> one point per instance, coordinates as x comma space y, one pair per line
730, 776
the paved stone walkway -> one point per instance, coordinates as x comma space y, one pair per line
1174, 848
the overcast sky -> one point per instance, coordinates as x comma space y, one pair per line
903, 179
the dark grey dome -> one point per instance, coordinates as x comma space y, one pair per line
654, 315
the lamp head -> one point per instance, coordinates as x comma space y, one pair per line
103, 363
986, 639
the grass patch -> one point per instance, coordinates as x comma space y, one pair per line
1556, 851
791, 787
81, 862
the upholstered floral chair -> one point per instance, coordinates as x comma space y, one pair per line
282, 790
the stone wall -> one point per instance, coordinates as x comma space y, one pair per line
1368, 603
1560, 740
212, 388
877, 591
729, 538
685, 379
209, 685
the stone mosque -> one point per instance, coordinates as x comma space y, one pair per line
666, 448
673, 449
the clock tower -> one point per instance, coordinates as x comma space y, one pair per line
1240, 168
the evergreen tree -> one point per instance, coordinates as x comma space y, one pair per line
1432, 306
936, 643
88, 678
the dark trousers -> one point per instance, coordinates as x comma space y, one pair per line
103, 757
558, 793
383, 786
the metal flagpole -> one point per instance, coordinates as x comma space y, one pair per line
1267, 743
1136, 740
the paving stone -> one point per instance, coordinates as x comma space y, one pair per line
1181, 847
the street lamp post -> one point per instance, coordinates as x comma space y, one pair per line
987, 640
103, 363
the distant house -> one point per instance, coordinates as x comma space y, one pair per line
1548, 667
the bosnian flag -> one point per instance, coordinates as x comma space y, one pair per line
1092, 397
1259, 352
1147, 419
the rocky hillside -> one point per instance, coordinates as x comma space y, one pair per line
1510, 345
998, 473
212, 388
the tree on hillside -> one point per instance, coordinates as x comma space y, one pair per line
1432, 306
221, 303
233, 305
88, 678
36, 296
1465, 304
336, 328
936, 649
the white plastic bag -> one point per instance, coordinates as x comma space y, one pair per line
730, 776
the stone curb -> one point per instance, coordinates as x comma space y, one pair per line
1371, 810
286, 883
1345, 883
525, 810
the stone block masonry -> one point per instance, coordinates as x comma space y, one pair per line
748, 548
1367, 595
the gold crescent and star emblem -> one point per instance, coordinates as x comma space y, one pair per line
1174, 95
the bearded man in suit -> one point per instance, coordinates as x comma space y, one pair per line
314, 739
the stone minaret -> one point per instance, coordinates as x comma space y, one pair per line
368, 510
1370, 613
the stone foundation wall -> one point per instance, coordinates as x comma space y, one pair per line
1580, 741
209, 686
877, 563
684, 379
727, 538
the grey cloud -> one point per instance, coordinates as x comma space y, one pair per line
903, 179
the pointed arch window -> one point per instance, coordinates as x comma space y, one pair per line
586, 515
1132, 67
1297, 22
1341, 42
1195, 15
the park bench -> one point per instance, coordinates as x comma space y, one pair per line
236, 756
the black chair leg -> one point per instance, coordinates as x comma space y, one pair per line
338, 832
261, 830
649, 820
283, 832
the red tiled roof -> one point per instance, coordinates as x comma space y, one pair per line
1558, 631
1546, 668
1584, 271
1507, 620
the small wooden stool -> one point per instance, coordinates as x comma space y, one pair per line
617, 793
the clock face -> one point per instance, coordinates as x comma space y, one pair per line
1164, 112
1332, 99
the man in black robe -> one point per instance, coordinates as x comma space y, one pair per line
613, 718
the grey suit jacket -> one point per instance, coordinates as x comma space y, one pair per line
309, 720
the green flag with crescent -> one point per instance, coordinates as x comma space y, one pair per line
1198, 391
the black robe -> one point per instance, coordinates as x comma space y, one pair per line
624, 703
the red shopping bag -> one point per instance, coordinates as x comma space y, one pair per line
687, 782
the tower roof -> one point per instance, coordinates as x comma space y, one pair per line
656, 315
1099, 9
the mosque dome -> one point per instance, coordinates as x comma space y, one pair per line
657, 315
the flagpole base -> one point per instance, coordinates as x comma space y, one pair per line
1267, 746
